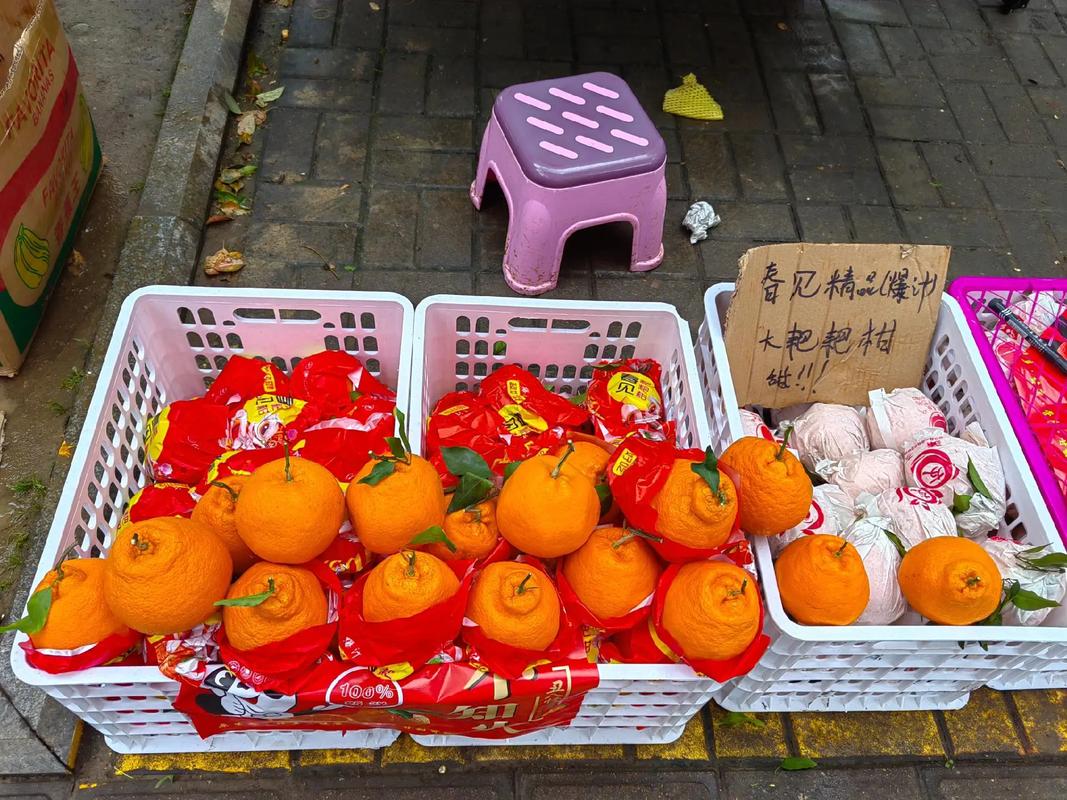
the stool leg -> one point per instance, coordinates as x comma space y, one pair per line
647, 251
532, 254
477, 190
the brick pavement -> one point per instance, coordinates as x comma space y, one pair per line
846, 120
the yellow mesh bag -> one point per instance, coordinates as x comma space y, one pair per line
691, 99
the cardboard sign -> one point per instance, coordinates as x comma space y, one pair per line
829, 322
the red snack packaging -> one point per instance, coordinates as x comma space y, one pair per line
346, 557
244, 378
239, 462
115, 649
413, 640
334, 380
636, 645
637, 472
575, 608
266, 420
460, 419
284, 666
526, 407
342, 444
184, 438
625, 398
159, 500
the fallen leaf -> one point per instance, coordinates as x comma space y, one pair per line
233, 175
269, 97
285, 35
76, 264
374, 7
781, 26
261, 116
345, 186
214, 219
65, 449
224, 262
246, 127
284, 3
231, 103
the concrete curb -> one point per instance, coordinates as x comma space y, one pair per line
161, 247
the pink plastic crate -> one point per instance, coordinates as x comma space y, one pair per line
1030, 299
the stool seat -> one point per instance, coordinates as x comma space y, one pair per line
579, 129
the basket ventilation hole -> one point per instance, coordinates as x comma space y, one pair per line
552, 371
587, 373
627, 351
463, 325
374, 366
370, 344
220, 362
234, 341
591, 351
366, 321
302, 315
463, 369
185, 316
279, 362
609, 351
480, 370
463, 347
194, 339
206, 317
633, 330
203, 364
482, 325
615, 330
214, 341
534, 369
331, 343
481, 348
348, 320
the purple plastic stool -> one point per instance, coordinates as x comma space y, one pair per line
570, 153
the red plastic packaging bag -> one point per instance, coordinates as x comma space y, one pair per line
159, 500
335, 380
526, 407
461, 419
625, 398
115, 649
184, 438
576, 609
244, 378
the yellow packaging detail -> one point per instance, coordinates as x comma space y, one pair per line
634, 389
515, 391
285, 409
155, 433
453, 410
520, 420
625, 460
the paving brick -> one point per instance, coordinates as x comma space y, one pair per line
677, 185
223, 763
925, 12
969, 227
452, 91
406, 750
792, 102
1055, 48
687, 295
974, 113
828, 185
983, 726
1051, 105
906, 172
389, 235
546, 29
867, 733
862, 49
806, 44
402, 88
767, 222
929, 124
307, 203
609, 752
822, 224
779, 9
838, 104
311, 23
416, 285
289, 242
885, 12
730, 42
434, 13
452, 42
1016, 114
1038, 161
423, 169
1033, 21
316, 62
1033, 248
332, 758
499, 73
709, 165
615, 50
1027, 193
685, 38
828, 151
424, 133
575, 283
765, 737
341, 147
854, 784
290, 144
953, 176
1030, 60
501, 27
692, 745
980, 261
592, 21
875, 224
966, 55
445, 229
358, 26
963, 15
759, 166
328, 95
637, 786
489, 248
991, 783
904, 52
459, 787
897, 91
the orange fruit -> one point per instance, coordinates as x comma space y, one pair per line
389, 514
546, 510
822, 580
588, 459
515, 604
405, 584
712, 610
217, 509
690, 513
775, 488
950, 580
164, 574
473, 531
290, 510
78, 615
296, 604
612, 572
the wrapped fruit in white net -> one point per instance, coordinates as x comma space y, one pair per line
894, 417
871, 472
827, 432
877, 544
965, 471
1039, 570
916, 514
831, 512
753, 425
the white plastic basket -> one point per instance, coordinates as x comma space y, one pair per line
169, 344
458, 341
905, 665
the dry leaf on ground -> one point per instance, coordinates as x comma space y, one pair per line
224, 262
76, 264
246, 127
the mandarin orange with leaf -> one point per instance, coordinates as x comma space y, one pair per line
163, 575
690, 511
613, 572
294, 601
472, 531
405, 584
775, 488
78, 616
389, 512
712, 610
515, 604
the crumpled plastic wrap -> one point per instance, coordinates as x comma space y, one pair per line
753, 425
827, 432
939, 462
894, 417
699, 219
916, 514
881, 559
1010, 558
871, 472
831, 512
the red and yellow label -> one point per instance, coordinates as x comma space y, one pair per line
520, 420
634, 389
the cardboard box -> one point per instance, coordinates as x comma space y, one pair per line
49, 163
